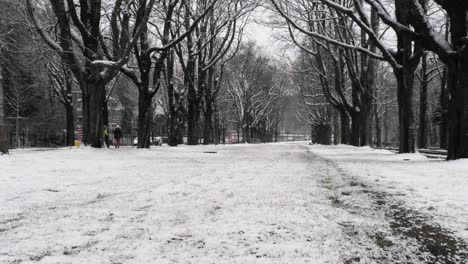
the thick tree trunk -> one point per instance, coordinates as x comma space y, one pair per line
105, 113
408, 56
180, 131
344, 127
144, 119
336, 128
458, 108
96, 122
458, 83
173, 103
422, 137
323, 135
245, 134
208, 123
193, 111
364, 123
405, 79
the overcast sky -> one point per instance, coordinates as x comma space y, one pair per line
263, 34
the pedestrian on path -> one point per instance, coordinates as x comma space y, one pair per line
117, 136
106, 136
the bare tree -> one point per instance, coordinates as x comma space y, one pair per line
62, 83
83, 47
254, 86
404, 61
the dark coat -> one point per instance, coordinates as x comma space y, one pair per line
117, 132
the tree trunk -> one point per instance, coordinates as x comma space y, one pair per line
180, 131
355, 128
173, 119
336, 128
408, 56
70, 125
385, 122
344, 127
458, 107
216, 126
324, 133
405, 79
144, 118
422, 137
378, 128
192, 101
4, 144
105, 112
368, 83
443, 101
85, 113
96, 122
364, 122
208, 123
245, 134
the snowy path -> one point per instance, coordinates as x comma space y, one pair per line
275, 203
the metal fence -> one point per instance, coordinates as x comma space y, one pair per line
51, 140
36, 139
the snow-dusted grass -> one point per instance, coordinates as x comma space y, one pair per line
436, 187
242, 204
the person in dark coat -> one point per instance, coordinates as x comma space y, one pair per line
117, 136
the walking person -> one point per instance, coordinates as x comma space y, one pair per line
106, 136
117, 136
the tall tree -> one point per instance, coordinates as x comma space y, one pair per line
151, 58
83, 47
404, 62
254, 86
61, 80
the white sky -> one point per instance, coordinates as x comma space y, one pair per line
263, 34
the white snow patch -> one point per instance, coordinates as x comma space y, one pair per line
436, 187
235, 204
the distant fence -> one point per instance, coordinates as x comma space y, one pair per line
37, 139
51, 140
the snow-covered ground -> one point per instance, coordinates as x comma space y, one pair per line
436, 187
271, 203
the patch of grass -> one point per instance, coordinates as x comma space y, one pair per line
381, 241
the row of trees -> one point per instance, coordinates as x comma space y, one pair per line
188, 56
153, 43
187, 53
345, 41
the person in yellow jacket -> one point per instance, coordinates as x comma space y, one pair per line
106, 136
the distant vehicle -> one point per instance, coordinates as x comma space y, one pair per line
153, 141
